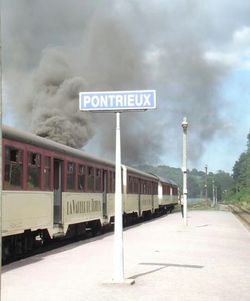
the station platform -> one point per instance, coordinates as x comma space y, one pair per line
207, 260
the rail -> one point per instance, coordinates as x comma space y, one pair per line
242, 214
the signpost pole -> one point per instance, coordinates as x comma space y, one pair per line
118, 236
0, 155
118, 101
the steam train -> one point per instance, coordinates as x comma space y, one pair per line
52, 190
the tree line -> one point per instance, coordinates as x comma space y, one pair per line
233, 187
196, 180
241, 176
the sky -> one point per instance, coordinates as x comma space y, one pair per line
195, 54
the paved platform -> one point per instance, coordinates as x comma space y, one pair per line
208, 260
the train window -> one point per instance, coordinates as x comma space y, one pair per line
13, 168
149, 188
175, 191
47, 161
111, 185
133, 185
155, 188
142, 187
81, 177
130, 185
109, 181
165, 189
90, 178
113, 182
136, 185
34, 170
70, 176
98, 180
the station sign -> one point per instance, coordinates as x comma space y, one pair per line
118, 100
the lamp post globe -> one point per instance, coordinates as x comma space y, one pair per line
184, 123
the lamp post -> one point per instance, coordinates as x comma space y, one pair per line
206, 184
213, 194
216, 195
184, 168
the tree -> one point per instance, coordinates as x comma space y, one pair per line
241, 176
193, 187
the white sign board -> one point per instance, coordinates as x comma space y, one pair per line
117, 100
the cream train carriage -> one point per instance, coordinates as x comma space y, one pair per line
52, 190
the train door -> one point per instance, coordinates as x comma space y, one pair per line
139, 196
152, 197
105, 186
57, 191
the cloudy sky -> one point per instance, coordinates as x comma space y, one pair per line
195, 54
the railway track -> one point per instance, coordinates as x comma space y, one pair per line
242, 214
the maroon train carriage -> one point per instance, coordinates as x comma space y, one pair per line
52, 190
167, 194
140, 197
49, 190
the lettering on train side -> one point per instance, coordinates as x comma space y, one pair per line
77, 207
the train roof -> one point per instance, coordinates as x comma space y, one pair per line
142, 173
29, 138
166, 180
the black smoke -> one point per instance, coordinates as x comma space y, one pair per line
118, 45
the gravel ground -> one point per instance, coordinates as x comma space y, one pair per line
207, 260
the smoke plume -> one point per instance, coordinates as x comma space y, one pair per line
118, 45
51, 102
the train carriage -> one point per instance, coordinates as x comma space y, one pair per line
49, 188
167, 194
141, 190
52, 190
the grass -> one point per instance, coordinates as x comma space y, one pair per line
240, 198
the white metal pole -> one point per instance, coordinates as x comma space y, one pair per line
206, 184
0, 154
184, 169
216, 195
213, 194
118, 235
